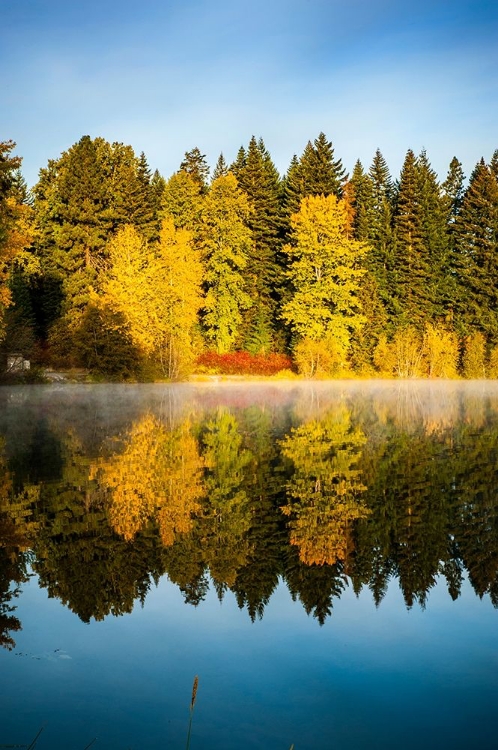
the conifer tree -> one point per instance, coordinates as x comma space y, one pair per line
433, 216
182, 200
226, 244
195, 165
410, 262
476, 254
260, 181
362, 202
221, 168
317, 172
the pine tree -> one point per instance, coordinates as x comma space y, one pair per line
226, 245
221, 168
238, 165
182, 200
362, 202
411, 266
433, 216
195, 165
260, 181
321, 172
476, 254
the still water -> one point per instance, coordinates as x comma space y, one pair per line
324, 557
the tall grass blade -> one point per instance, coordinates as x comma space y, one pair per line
30, 747
192, 704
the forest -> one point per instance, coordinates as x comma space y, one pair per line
108, 266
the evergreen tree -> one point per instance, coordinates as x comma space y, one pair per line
226, 244
195, 165
221, 168
182, 200
260, 181
433, 216
411, 266
476, 254
238, 165
362, 202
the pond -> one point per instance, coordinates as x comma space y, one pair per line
324, 557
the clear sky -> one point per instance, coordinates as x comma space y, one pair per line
168, 75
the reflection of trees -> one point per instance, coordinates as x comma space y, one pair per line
325, 486
158, 475
370, 490
264, 483
226, 514
16, 529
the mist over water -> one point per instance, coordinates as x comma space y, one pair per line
324, 555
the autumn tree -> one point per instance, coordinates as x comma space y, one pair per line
15, 231
324, 491
325, 272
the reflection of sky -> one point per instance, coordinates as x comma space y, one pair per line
378, 678
165, 76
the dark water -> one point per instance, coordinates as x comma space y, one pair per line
324, 558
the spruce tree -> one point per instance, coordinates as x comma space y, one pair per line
195, 165
476, 254
362, 202
411, 266
260, 181
433, 217
221, 168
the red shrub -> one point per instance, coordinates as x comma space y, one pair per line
244, 363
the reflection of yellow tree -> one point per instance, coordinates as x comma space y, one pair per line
16, 530
158, 475
324, 490
227, 515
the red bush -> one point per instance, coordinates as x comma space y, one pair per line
244, 363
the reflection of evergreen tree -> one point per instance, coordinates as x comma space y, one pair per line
315, 585
258, 578
476, 506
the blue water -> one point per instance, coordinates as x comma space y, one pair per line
371, 677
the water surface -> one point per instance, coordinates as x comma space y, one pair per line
324, 557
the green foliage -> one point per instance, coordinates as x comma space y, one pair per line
226, 241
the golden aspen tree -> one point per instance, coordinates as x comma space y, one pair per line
325, 272
155, 291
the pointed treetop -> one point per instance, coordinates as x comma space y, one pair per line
196, 166
221, 168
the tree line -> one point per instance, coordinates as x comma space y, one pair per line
108, 266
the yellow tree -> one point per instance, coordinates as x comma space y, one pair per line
15, 232
325, 488
154, 293
156, 477
324, 268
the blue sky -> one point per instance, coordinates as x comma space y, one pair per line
165, 76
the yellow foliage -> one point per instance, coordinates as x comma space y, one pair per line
323, 493
154, 294
158, 476
441, 352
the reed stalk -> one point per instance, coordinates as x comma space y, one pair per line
192, 704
